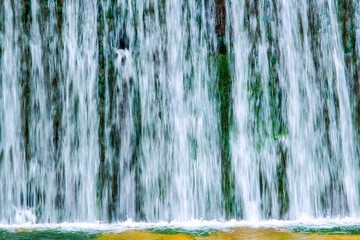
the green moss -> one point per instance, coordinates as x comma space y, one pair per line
1, 157
44, 9
57, 126
109, 14
102, 179
136, 140
2, 24
26, 15
224, 93
224, 98
26, 105
59, 15
357, 115
283, 191
222, 48
101, 86
345, 14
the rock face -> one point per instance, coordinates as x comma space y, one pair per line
220, 6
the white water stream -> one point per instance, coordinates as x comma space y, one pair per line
110, 110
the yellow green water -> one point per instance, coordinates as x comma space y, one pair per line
238, 233
232, 234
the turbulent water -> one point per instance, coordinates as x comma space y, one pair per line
158, 110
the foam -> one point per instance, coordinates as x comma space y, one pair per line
187, 225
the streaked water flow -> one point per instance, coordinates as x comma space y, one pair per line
147, 110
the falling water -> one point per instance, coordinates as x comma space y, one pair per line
294, 110
175, 110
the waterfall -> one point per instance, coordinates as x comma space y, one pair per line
295, 140
157, 110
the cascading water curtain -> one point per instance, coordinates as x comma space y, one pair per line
157, 110
108, 111
295, 147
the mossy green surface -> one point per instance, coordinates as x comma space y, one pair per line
47, 235
224, 98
